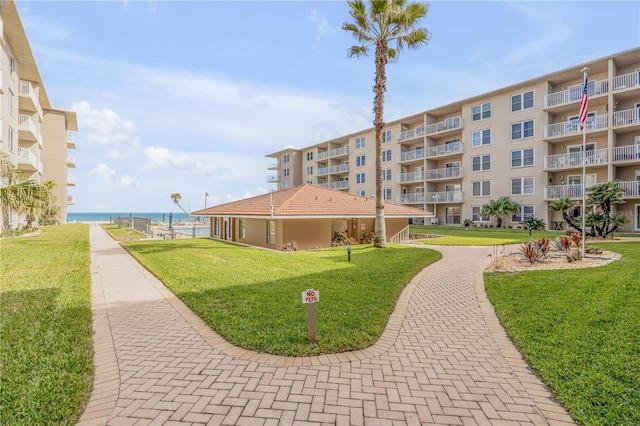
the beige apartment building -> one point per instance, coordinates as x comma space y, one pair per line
35, 136
523, 141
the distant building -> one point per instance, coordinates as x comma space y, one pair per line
35, 136
522, 141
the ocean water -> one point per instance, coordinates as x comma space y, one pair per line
107, 217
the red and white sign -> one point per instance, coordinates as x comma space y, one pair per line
310, 296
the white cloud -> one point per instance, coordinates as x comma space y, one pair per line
163, 159
110, 179
104, 126
321, 23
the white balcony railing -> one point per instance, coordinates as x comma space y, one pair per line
27, 157
411, 177
574, 159
71, 161
71, 180
626, 117
339, 152
446, 173
418, 154
572, 127
444, 197
554, 192
626, 153
26, 123
411, 134
442, 126
341, 184
631, 188
71, 141
574, 93
275, 178
273, 166
447, 149
323, 155
626, 81
323, 185
70, 200
339, 168
322, 171
415, 198
26, 90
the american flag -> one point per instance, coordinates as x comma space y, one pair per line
583, 103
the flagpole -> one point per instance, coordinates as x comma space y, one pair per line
584, 114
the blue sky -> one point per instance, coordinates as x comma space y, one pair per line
189, 97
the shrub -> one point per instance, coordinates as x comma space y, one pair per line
530, 251
368, 237
467, 223
292, 246
563, 244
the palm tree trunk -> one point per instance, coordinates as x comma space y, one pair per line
379, 88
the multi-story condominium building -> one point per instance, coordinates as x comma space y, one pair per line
523, 141
33, 135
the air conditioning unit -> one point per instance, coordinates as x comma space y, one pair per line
434, 220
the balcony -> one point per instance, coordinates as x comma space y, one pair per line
71, 180
28, 129
27, 160
416, 198
322, 171
572, 127
453, 123
444, 150
626, 81
273, 179
340, 168
444, 174
574, 159
555, 192
71, 141
333, 153
28, 97
411, 177
70, 200
444, 197
626, 153
71, 162
574, 93
628, 117
418, 132
631, 189
408, 156
341, 184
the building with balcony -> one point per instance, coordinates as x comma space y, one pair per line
522, 141
33, 135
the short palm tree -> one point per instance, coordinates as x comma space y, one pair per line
16, 193
386, 21
499, 208
565, 205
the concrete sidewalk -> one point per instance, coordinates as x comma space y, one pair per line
443, 359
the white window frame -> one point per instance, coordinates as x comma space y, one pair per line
386, 136
309, 170
386, 175
286, 158
386, 194
481, 163
521, 132
522, 157
11, 139
12, 65
522, 101
476, 215
521, 216
361, 192
271, 232
286, 171
310, 156
361, 178
360, 160
481, 138
361, 142
483, 113
242, 227
523, 185
286, 184
482, 185
386, 155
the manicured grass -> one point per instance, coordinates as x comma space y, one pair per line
579, 329
123, 234
46, 353
253, 297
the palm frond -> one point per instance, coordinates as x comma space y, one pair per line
357, 51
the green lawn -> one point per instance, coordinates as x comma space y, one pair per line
579, 329
46, 356
123, 234
252, 297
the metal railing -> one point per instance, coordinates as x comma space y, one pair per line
411, 155
401, 237
626, 153
626, 81
442, 126
446, 173
444, 197
339, 168
631, 188
574, 159
411, 134
341, 184
572, 127
447, 149
626, 117
574, 93
554, 192
415, 198
275, 178
411, 177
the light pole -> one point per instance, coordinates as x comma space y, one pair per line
206, 194
583, 120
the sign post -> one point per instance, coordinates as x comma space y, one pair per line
310, 297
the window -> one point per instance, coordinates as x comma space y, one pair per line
286, 171
360, 142
522, 158
271, 232
481, 188
387, 194
476, 215
521, 130
11, 101
481, 137
285, 158
12, 64
386, 174
309, 170
386, 155
522, 186
216, 227
310, 182
522, 101
360, 178
386, 136
309, 155
452, 215
480, 112
481, 163
242, 229
360, 193
286, 184
524, 213
360, 160
11, 138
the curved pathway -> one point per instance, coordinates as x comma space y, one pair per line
443, 359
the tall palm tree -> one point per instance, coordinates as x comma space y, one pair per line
385, 22
16, 193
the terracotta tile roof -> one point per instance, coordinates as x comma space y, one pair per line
308, 201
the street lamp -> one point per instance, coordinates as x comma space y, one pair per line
206, 194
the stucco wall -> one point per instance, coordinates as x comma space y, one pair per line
316, 233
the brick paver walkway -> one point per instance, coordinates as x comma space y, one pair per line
443, 359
